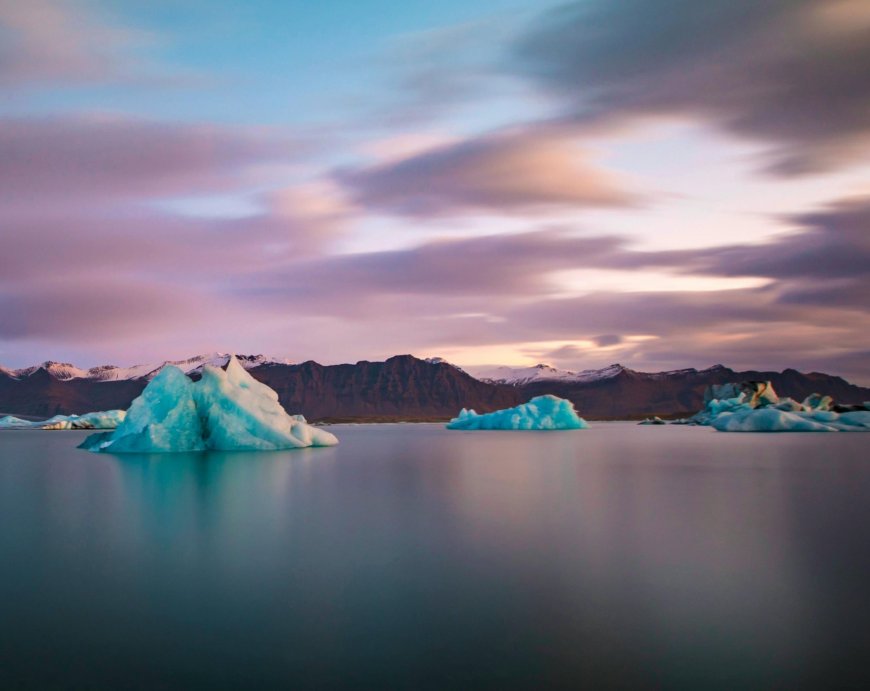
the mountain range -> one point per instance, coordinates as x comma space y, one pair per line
408, 388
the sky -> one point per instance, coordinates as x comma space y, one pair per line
659, 183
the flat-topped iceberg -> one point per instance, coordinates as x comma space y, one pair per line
540, 413
225, 410
106, 419
755, 407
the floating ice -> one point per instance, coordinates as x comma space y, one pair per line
12, 422
772, 419
540, 413
226, 410
755, 407
107, 419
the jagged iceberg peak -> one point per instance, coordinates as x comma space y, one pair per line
240, 412
540, 413
225, 410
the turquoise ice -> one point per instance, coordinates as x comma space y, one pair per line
540, 413
225, 410
747, 419
754, 406
106, 419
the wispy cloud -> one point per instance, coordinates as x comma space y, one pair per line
506, 172
87, 160
53, 43
783, 73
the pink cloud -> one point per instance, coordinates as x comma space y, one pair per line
509, 172
45, 41
96, 160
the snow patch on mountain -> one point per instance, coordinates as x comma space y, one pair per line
517, 376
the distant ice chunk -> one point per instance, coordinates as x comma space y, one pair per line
226, 410
107, 419
12, 422
540, 413
818, 402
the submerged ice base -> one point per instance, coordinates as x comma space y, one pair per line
225, 410
540, 413
746, 419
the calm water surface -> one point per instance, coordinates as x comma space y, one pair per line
411, 557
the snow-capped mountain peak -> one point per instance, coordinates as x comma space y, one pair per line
516, 376
442, 361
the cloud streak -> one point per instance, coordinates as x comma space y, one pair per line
783, 73
508, 172
45, 42
96, 160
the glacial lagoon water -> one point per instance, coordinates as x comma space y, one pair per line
413, 557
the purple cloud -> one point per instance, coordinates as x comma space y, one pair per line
830, 251
62, 42
784, 73
117, 308
81, 161
491, 266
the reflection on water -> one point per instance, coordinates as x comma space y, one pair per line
413, 557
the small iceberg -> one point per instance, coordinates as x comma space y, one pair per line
654, 420
540, 413
12, 422
225, 410
106, 419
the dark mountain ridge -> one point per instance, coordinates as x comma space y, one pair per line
401, 388
630, 394
407, 388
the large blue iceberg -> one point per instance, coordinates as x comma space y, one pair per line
540, 413
755, 407
225, 410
